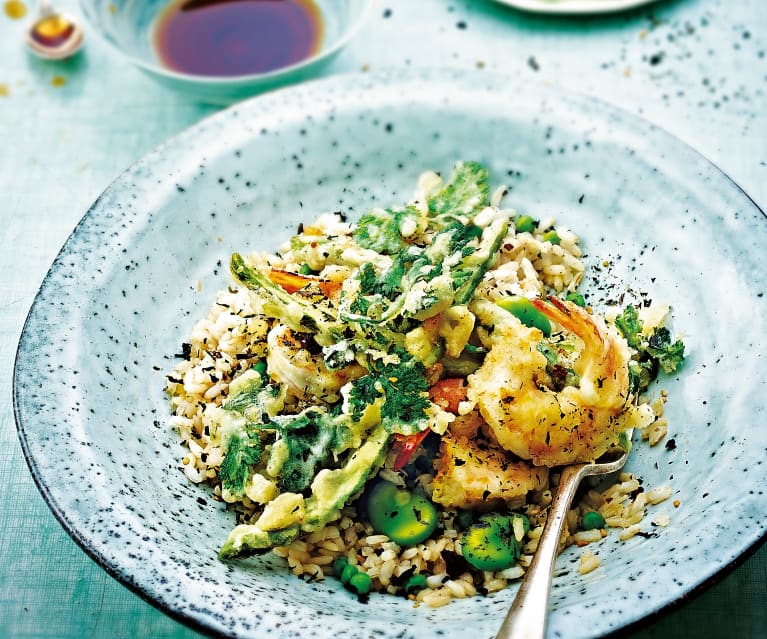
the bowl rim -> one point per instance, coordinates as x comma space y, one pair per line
349, 31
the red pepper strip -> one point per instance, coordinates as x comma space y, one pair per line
405, 446
448, 393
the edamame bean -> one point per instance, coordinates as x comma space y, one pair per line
404, 517
490, 543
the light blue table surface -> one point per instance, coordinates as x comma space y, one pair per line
698, 68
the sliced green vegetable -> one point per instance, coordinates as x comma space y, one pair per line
522, 308
552, 237
406, 518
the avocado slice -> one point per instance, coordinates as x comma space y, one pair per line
248, 539
330, 491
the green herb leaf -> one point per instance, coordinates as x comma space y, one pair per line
243, 453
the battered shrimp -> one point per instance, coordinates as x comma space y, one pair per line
292, 360
529, 417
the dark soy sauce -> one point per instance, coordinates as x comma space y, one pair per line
237, 37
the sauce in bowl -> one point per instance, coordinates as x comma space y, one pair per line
237, 37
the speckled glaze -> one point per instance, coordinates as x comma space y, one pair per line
145, 262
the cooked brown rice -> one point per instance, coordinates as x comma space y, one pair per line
232, 337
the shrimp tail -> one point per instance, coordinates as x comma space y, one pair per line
571, 317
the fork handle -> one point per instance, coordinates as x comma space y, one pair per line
526, 618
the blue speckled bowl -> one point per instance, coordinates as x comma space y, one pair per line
128, 26
123, 294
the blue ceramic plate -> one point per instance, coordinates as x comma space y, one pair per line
145, 261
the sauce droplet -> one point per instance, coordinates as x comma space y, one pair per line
4, 90
52, 31
237, 37
58, 81
15, 9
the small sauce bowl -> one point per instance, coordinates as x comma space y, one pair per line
133, 28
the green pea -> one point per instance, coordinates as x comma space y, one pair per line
305, 269
415, 584
361, 583
402, 516
490, 544
523, 309
552, 237
524, 224
592, 520
576, 298
339, 565
348, 573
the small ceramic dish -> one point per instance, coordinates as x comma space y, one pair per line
130, 27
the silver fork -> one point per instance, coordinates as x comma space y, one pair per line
526, 618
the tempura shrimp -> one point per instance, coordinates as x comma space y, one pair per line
518, 399
293, 360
